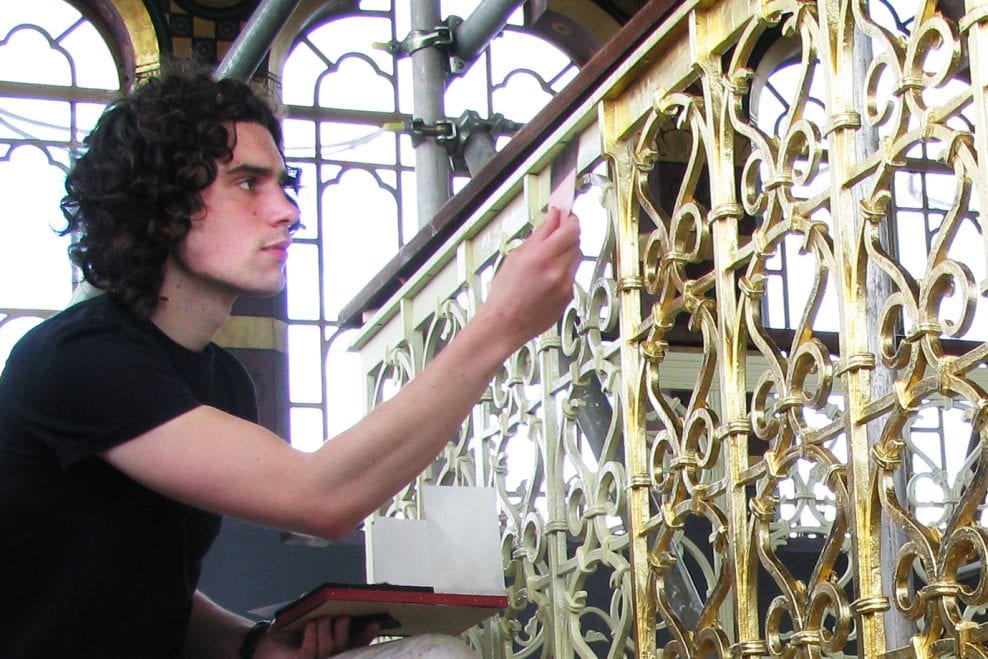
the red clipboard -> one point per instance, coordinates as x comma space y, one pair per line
399, 610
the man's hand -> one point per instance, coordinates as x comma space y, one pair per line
535, 282
322, 637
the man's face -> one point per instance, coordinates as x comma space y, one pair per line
238, 244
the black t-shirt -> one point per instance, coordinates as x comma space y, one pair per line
92, 563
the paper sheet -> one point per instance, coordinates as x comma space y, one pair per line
466, 539
398, 551
456, 548
562, 178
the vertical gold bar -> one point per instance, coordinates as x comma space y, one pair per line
723, 218
836, 52
629, 281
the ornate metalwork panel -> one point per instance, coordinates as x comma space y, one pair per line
760, 428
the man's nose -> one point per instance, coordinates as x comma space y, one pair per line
286, 210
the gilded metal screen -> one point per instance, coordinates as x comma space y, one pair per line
760, 428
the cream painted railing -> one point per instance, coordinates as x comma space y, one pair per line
759, 429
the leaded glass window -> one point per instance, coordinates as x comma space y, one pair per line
46, 109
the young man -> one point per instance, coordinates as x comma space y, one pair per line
125, 433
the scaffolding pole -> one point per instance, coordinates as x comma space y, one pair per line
474, 34
432, 166
255, 40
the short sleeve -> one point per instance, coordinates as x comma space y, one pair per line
91, 390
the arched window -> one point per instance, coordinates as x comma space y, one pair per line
345, 95
46, 109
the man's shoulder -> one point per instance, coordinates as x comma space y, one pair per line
95, 312
81, 327
101, 308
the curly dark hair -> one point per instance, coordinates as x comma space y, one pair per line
130, 197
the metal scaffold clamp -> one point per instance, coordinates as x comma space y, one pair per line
443, 132
442, 37
471, 122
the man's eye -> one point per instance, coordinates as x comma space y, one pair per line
247, 184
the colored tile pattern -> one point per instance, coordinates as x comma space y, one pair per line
204, 39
